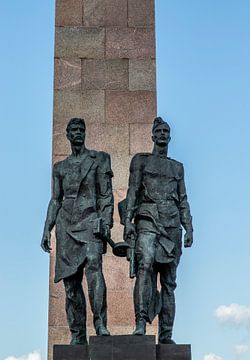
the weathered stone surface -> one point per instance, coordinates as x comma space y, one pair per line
67, 74
140, 138
57, 335
112, 139
116, 275
119, 195
69, 12
142, 75
141, 13
120, 166
80, 42
130, 106
122, 307
105, 74
105, 13
87, 104
134, 43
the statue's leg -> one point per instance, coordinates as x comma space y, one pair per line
97, 288
167, 313
145, 251
76, 307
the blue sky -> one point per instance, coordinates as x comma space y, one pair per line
203, 83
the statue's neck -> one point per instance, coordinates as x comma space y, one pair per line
77, 150
160, 150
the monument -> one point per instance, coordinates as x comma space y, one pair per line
104, 73
157, 202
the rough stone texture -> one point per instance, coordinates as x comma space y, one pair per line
67, 74
142, 75
142, 132
69, 352
130, 106
69, 12
105, 74
105, 13
79, 42
87, 104
135, 43
173, 352
141, 13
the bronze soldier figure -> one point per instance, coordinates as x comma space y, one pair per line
157, 202
81, 208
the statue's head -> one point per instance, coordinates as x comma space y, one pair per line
76, 131
160, 132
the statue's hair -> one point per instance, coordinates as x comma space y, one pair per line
75, 121
159, 121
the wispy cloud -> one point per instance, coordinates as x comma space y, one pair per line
212, 357
234, 315
35, 355
241, 349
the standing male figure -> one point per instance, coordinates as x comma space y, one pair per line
157, 202
82, 200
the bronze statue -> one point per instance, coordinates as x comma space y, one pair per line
81, 207
156, 208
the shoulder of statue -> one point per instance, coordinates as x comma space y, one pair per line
141, 156
175, 162
58, 166
138, 161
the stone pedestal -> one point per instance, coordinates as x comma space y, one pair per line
173, 352
124, 347
127, 347
71, 352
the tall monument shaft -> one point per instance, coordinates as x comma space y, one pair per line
105, 73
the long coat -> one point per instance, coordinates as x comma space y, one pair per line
86, 195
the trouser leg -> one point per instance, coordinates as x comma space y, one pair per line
143, 286
75, 306
97, 289
167, 313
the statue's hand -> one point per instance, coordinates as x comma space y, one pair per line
46, 244
129, 230
188, 239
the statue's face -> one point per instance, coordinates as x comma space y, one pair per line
161, 135
76, 134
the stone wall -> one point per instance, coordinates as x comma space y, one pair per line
105, 73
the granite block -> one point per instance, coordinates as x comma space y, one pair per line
134, 43
105, 74
71, 42
122, 348
67, 74
142, 75
71, 352
141, 13
69, 12
120, 306
105, 13
88, 104
130, 106
120, 166
173, 352
140, 138
116, 275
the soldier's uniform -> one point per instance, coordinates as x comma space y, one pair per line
157, 201
86, 194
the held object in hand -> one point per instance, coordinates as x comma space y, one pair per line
119, 249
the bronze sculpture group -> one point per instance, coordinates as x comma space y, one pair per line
153, 213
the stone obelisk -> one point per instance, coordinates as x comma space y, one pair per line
105, 73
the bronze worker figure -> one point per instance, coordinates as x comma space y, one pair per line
157, 202
81, 207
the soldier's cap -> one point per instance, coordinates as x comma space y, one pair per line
75, 121
159, 121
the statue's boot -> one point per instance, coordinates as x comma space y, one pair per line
79, 340
101, 330
140, 328
167, 341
